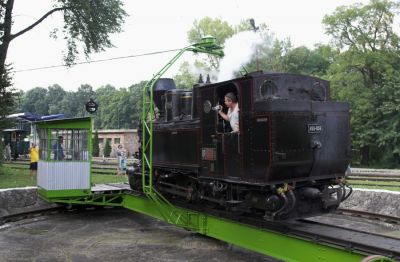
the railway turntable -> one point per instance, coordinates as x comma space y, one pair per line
64, 177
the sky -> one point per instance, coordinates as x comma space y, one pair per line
152, 26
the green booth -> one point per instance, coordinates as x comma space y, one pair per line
65, 151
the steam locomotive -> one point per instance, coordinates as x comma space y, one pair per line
288, 159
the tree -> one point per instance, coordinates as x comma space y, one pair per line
35, 101
55, 94
364, 28
302, 60
95, 142
369, 58
217, 28
389, 118
8, 97
87, 22
102, 95
73, 103
107, 148
185, 78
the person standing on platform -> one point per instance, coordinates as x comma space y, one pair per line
121, 155
34, 156
8, 152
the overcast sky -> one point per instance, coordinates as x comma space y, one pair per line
152, 26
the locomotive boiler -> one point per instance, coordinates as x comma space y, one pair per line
288, 159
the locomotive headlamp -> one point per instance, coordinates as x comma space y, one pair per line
208, 44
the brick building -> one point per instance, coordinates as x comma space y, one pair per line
128, 138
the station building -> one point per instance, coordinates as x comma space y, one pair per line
128, 138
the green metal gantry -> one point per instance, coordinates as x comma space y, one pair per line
208, 46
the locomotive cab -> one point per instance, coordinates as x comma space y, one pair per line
221, 155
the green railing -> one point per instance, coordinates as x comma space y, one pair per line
208, 46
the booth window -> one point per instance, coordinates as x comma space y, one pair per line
43, 144
64, 144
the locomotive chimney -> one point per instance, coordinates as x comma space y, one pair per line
200, 79
208, 81
159, 89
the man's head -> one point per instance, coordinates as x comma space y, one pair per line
33, 144
60, 139
230, 99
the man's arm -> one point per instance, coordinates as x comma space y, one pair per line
223, 115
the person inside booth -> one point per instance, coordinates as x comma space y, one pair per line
232, 115
58, 149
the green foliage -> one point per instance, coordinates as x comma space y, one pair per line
388, 115
302, 60
95, 142
90, 23
365, 74
107, 148
8, 95
217, 28
55, 94
13, 178
73, 103
364, 28
185, 78
2, 146
35, 101
87, 22
118, 108
8, 103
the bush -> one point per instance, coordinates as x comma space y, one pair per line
107, 148
95, 144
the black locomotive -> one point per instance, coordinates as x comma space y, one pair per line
287, 161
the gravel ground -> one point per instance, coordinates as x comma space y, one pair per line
111, 235
376, 201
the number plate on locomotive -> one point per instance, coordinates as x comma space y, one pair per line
208, 154
314, 128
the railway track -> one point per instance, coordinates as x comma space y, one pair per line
369, 215
30, 214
